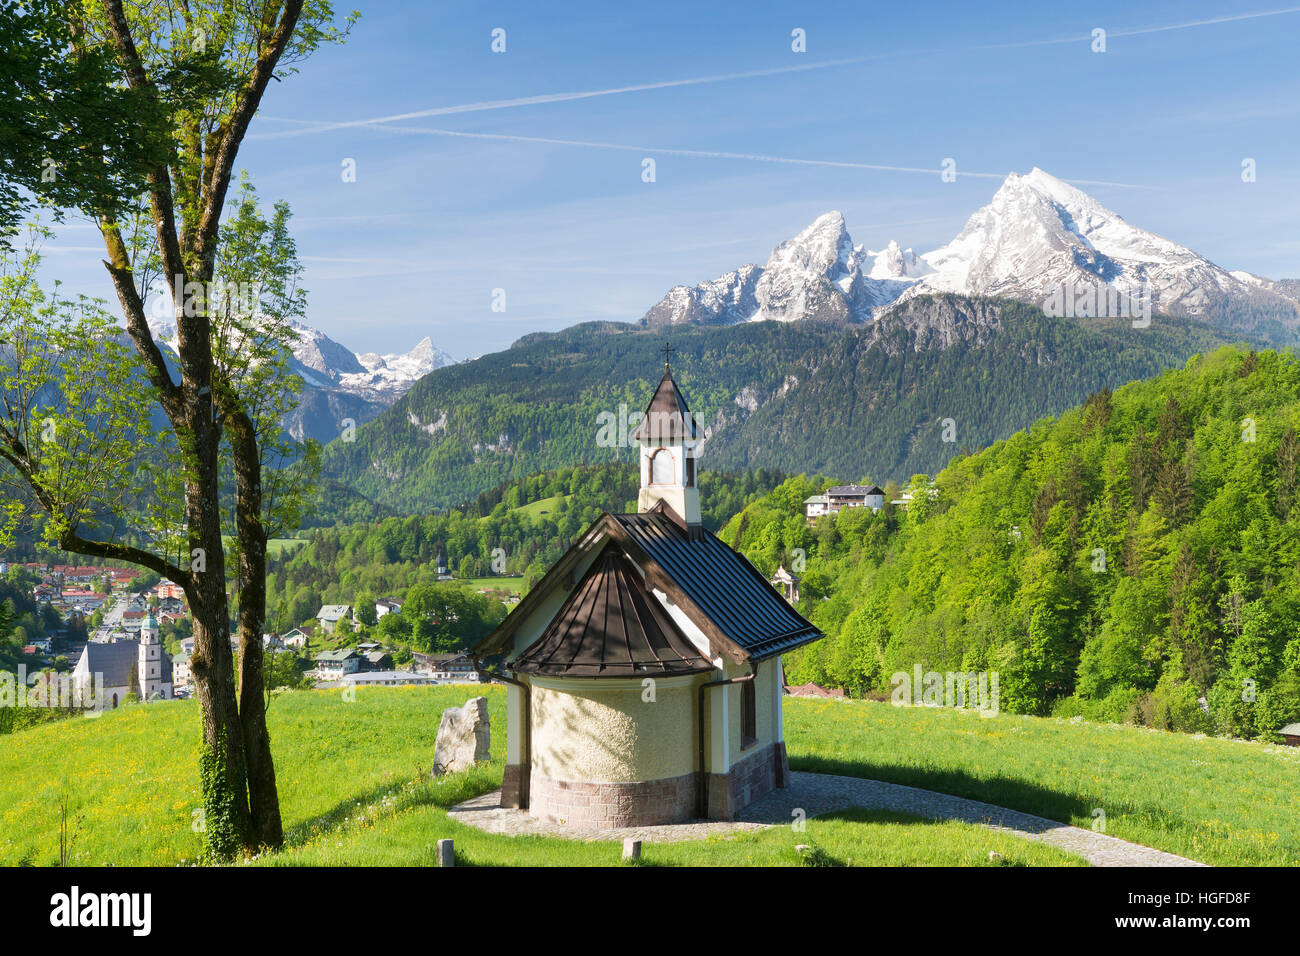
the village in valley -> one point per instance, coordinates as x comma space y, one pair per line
113, 639
105, 638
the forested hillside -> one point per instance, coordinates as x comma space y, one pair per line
800, 396
498, 533
1137, 558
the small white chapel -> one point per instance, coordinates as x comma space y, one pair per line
644, 670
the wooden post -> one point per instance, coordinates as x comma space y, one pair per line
446, 853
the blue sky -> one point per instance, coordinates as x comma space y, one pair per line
435, 222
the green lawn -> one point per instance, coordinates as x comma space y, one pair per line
534, 509
513, 584
275, 545
1223, 802
354, 790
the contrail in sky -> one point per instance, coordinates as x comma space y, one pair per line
313, 126
716, 154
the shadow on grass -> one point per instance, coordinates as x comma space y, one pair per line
1009, 792
398, 796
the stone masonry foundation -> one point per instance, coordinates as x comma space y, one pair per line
749, 778
649, 802
633, 804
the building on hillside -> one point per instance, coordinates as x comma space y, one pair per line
169, 590
786, 583
854, 496
446, 667
1291, 735
330, 615
815, 506
645, 675
377, 660
332, 665
387, 606
181, 675
296, 638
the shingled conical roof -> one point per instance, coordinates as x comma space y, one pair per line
667, 418
610, 626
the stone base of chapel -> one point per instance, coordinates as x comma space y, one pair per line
750, 778
649, 802
645, 803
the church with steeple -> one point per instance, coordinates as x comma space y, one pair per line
644, 670
109, 672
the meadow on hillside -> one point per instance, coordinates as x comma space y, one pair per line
354, 787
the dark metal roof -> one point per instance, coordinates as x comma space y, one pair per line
610, 626
115, 661
726, 588
854, 491
667, 417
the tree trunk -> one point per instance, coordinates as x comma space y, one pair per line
222, 764
262, 792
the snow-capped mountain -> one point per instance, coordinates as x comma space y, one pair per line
338, 383
1037, 236
819, 273
1040, 234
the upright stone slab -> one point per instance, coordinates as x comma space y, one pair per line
464, 737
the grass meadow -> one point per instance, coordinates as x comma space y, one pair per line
354, 788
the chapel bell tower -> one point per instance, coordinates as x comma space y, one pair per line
667, 437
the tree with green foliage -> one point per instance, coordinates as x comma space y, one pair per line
197, 73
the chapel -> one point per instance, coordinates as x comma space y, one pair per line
644, 670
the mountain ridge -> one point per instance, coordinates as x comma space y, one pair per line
339, 384
1037, 237
800, 396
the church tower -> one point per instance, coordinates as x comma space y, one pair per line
150, 659
667, 437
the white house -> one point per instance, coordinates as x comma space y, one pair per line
815, 506
446, 667
332, 665
387, 606
855, 496
387, 679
